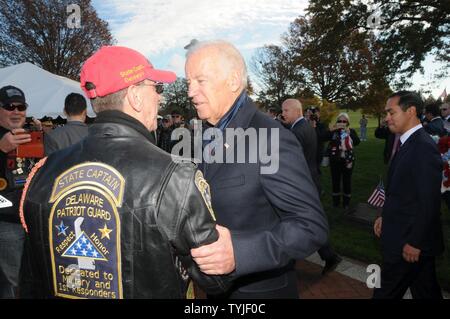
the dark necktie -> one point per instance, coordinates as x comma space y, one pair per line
396, 146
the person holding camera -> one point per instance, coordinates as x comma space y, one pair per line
13, 172
340, 150
313, 116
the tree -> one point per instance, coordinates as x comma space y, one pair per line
276, 75
176, 97
250, 89
337, 71
407, 30
44, 33
375, 98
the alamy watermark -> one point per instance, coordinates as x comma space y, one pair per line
233, 145
374, 279
74, 18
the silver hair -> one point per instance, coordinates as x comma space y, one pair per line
228, 52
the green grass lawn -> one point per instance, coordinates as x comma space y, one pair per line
355, 240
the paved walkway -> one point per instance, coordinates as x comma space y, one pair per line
334, 285
348, 281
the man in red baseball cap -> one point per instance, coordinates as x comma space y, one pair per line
114, 73
116, 217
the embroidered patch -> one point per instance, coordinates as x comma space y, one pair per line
84, 232
203, 187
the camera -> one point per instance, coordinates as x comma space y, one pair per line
32, 149
313, 114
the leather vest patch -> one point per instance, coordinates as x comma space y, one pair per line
84, 232
203, 187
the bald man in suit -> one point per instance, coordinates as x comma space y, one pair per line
306, 135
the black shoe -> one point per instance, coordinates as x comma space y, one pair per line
331, 264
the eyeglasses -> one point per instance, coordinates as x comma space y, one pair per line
342, 121
176, 116
11, 107
444, 109
159, 87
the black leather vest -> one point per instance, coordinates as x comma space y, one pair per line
114, 217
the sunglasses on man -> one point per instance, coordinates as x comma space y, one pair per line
159, 87
11, 107
342, 121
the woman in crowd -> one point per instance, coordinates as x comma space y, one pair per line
342, 158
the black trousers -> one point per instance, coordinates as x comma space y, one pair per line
446, 198
326, 252
12, 238
420, 277
340, 173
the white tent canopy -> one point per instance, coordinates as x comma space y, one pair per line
45, 92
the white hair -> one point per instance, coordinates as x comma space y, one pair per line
228, 53
343, 114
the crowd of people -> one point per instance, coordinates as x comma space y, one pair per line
108, 202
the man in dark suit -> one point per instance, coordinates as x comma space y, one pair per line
306, 135
321, 132
275, 216
410, 226
435, 124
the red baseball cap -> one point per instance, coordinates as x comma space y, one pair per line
113, 68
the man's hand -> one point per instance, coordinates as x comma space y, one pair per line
216, 258
14, 138
377, 226
410, 253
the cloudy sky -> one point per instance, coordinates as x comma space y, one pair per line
161, 28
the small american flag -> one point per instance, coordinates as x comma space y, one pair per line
377, 198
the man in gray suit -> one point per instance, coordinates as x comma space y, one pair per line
75, 129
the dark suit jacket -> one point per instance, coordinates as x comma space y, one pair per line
307, 137
411, 213
274, 218
436, 127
